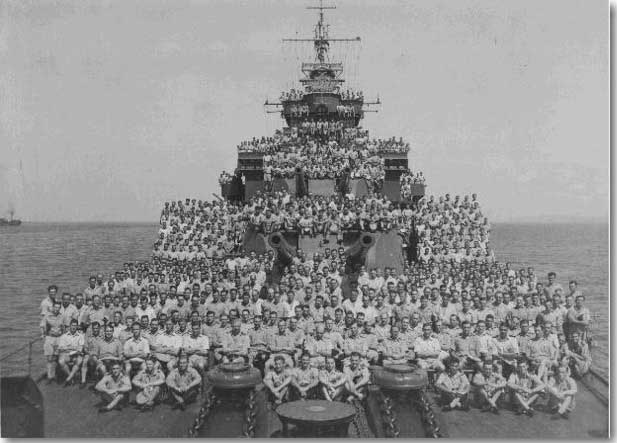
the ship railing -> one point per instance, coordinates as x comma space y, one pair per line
25, 359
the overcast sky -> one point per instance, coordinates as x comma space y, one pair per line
114, 106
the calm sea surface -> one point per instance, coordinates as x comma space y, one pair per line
34, 256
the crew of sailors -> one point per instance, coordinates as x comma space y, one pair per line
320, 160
489, 335
446, 229
225, 178
324, 132
388, 145
451, 228
292, 95
350, 94
298, 110
346, 110
324, 152
198, 229
407, 179
325, 128
297, 95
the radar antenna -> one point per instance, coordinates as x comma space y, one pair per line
321, 40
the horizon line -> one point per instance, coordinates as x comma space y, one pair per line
522, 220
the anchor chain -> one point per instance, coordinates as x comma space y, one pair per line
431, 427
204, 411
389, 417
353, 431
250, 415
359, 427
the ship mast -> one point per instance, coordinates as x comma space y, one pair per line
321, 32
321, 42
322, 98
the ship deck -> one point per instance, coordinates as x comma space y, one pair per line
71, 412
589, 419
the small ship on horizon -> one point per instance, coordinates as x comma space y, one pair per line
11, 221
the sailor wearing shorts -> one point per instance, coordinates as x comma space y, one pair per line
51, 330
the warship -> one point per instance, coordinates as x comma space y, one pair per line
401, 401
11, 221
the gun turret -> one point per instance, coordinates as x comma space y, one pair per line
356, 253
284, 251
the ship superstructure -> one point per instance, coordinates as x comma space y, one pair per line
11, 221
321, 97
321, 104
372, 169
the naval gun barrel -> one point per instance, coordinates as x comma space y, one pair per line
356, 253
284, 251
301, 182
